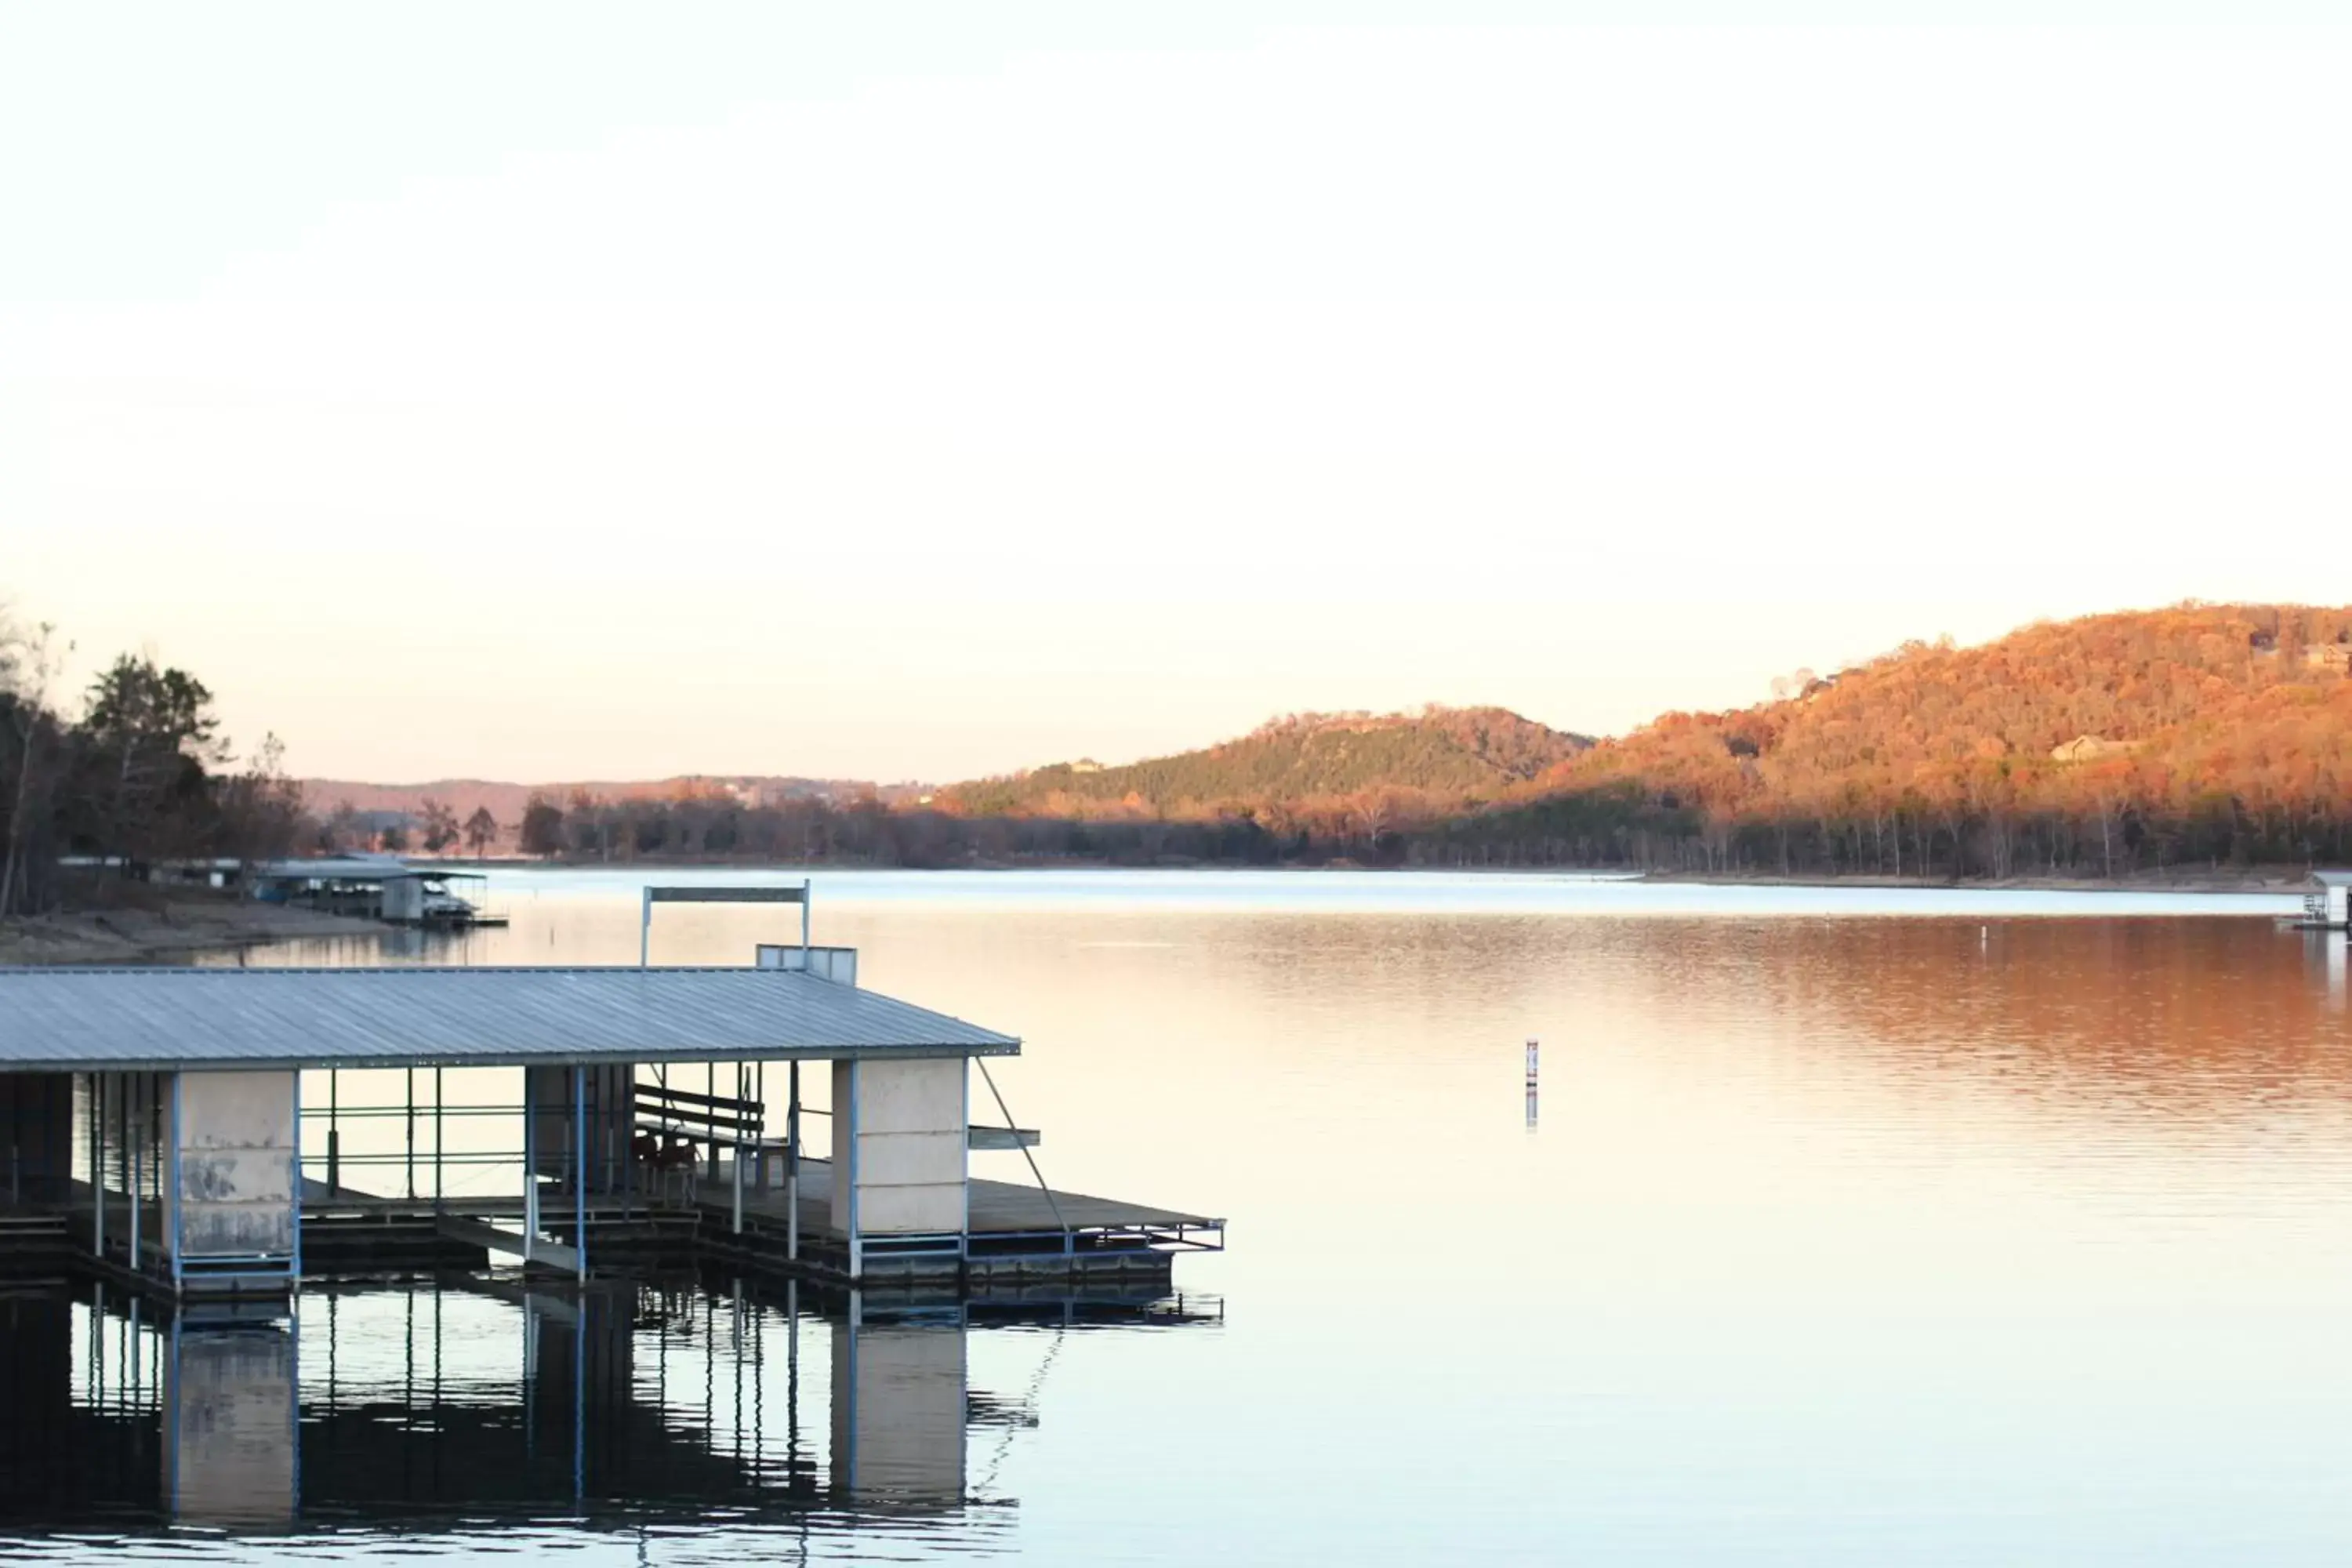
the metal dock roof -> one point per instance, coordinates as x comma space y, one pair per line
112, 1020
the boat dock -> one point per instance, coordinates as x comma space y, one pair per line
1015, 1233
226, 1132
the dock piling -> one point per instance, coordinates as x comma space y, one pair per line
97, 1164
792, 1168
1533, 1064
580, 1173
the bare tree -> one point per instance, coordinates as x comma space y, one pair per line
29, 665
481, 831
439, 825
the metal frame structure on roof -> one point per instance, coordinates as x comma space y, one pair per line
698, 893
149, 1020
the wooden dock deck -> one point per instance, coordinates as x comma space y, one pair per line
998, 1208
1016, 1230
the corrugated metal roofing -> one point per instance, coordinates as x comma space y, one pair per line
165, 1019
351, 868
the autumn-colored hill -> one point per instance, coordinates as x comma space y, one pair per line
1459, 758
2137, 740
2165, 739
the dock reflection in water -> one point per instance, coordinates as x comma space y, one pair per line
470, 1403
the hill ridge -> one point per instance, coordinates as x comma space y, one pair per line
1463, 754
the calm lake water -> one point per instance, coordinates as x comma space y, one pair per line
1855, 1227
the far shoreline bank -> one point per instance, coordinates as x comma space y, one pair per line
2282, 884
2275, 882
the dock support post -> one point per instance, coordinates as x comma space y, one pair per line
412, 1133
845, 1129
97, 1164
122, 1144
740, 1087
760, 1133
334, 1133
530, 1170
580, 1179
792, 1170
174, 1222
134, 1119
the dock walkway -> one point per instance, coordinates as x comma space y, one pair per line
1015, 1228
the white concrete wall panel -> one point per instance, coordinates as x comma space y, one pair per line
912, 1145
911, 1159
911, 1211
912, 1096
235, 1193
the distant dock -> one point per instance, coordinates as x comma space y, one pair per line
2327, 905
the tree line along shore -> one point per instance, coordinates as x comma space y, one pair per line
2199, 743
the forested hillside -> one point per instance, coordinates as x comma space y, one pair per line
2183, 739
2196, 734
1449, 758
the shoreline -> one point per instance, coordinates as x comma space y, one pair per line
2281, 884
176, 928
2272, 881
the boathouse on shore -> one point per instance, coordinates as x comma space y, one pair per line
2329, 900
166, 1127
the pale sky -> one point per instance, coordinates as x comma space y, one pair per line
895, 391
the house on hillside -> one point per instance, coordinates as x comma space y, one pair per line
2334, 656
2090, 749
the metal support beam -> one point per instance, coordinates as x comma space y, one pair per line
97, 1164
793, 1169
695, 895
530, 1170
845, 1159
580, 1173
122, 1140
134, 1119
173, 1238
294, 1181
1069, 1237
740, 1087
